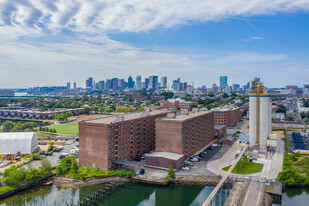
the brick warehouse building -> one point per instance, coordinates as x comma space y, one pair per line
123, 137
177, 104
185, 134
226, 116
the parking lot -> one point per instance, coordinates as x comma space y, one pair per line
200, 168
54, 159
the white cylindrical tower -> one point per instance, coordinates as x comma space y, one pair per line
252, 119
264, 122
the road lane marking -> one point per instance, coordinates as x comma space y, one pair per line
248, 191
257, 203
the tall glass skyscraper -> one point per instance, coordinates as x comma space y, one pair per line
138, 82
223, 81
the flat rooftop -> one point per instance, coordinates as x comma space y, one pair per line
183, 117
168, 155
127, 117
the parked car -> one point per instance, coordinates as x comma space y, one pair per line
189, 163
63, 155
48, 153
210, 148
143, 157
42, 156
60, 147
201, 154
57, 150
185, 168
195, 159
214, 145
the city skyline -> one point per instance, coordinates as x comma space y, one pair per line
46, 42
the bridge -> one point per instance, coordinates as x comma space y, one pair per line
219, 185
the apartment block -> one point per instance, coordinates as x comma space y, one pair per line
186, 133
226, 116
122, 137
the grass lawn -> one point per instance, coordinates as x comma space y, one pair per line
67, 128
244, 167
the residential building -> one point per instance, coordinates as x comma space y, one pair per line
186, 133
123, 137
227, 116
153, 82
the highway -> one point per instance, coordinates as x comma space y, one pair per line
255, 194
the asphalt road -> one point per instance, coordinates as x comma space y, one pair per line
255, 194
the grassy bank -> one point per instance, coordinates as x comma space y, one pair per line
245, 167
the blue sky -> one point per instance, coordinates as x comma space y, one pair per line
46, 42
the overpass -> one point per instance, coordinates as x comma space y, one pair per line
219, 185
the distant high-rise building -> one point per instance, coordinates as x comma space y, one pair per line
214, 89
236, 87
153, 82
138, 82
256, 79
75, 86
108, 84
101, 85
114, 84
130, 83
68, 86
223, 81
121, 84
89, 83
164, 82
146, 83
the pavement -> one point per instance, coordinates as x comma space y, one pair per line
54, 159
255, 194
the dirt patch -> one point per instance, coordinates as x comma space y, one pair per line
71, 183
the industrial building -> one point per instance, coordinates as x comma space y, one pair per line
121, 137
226, 116
177, 104
259, 116
23, 142
24, 113
185, 134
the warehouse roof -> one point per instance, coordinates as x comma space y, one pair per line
167, 155
23, 142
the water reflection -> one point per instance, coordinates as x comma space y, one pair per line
130, 195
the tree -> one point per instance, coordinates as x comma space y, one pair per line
281, 109
85, 110
51, 146
18, 127
46, 167
171, 172
7, 126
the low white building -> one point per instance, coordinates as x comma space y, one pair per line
23, 142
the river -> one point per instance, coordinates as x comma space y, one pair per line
130, 195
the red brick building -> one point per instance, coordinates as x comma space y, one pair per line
185, 134
177, 104
226, 117
116, 138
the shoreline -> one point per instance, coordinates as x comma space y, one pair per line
72, 183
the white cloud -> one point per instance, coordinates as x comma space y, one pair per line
252, 38
133, 15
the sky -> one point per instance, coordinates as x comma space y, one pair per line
46, 43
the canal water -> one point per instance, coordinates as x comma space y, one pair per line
129, 195
295, 197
